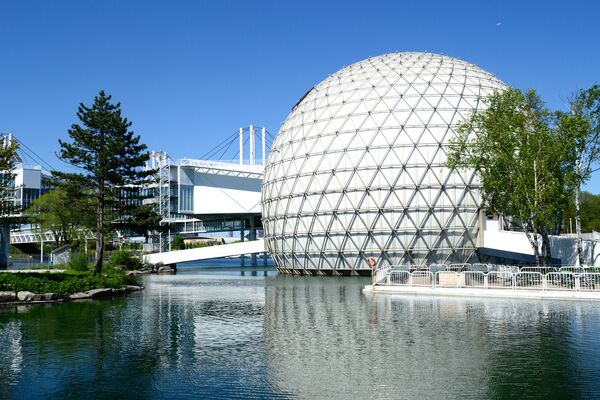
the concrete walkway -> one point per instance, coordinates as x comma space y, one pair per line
478, 292
206, 253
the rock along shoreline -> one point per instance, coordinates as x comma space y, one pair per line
8, 298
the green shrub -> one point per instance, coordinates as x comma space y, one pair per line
125, 259
78, 262
177, 243
64, 283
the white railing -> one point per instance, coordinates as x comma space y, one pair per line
504, 277
421, 278
476, 279
500, 280
398, 277
589, 281
448, 279
529, 280
562, 281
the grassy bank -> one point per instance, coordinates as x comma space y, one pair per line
66, 283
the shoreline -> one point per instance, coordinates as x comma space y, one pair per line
30, 298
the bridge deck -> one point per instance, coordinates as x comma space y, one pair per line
206, 253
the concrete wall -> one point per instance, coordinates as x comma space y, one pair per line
561, 247
30, 178
219, 194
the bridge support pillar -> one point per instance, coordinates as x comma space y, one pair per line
253, 237
242, 238
4, 245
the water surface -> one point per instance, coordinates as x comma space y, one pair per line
247, 333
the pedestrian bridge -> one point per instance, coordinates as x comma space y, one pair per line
206, 253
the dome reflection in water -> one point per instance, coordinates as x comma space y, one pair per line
218, 334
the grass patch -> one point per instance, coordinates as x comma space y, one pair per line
65, 283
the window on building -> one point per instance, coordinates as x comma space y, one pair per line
186, 201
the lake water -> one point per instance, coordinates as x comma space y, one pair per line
248, 333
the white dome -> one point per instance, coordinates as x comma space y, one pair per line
358, 168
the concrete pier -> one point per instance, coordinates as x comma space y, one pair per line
479, 292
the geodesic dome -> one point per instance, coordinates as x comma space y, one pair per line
358, 168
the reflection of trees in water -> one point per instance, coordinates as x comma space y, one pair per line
11, 357
324, 338
74, 350
172, 337
533, 353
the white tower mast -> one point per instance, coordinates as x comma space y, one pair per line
264, 146
252, 146
241, 146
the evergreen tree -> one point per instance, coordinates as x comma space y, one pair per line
110, 157
142, 220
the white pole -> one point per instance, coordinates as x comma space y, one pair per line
252, 146
42, 251
264, 146
241, 146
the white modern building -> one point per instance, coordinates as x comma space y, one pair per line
30, 182
358, 168
203, 196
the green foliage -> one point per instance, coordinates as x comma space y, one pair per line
132, 246
525, 165
64, 211
177, 243
8, 153
197, 245
590, 213
141, 220
78, 262
125, 259
63, 283
582, 124
111, 159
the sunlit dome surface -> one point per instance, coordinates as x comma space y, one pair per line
357, 169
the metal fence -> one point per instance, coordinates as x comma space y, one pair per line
496, 277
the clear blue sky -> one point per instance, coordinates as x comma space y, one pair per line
190, 73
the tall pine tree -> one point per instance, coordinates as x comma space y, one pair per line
110, 157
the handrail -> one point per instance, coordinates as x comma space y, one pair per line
502, 278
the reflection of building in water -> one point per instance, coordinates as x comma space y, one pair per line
209, 321
327, 340
11, 356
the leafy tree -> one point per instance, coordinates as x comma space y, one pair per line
524, 165
142, 220
8, 210
110, 157
589, 213
178, 243
8, 155
64, 211
582, 124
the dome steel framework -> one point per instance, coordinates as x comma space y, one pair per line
358, 168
